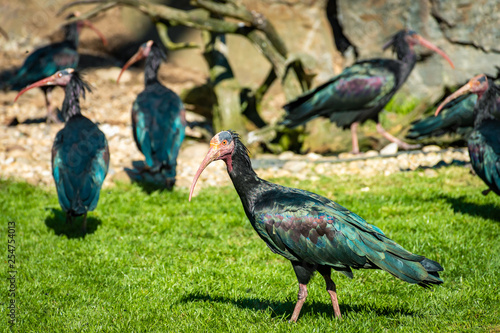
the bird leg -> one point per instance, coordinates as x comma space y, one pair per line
486, 192
300, 301
354, 136
304, 273
84, 227
392, 138
332, 290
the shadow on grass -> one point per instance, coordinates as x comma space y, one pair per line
57, 222
285, 309
462, 205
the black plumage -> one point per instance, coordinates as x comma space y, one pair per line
313, 232
361, 91
456, 117
158, 116
47, 60
80, 153
484, 141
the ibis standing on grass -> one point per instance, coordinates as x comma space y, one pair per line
484, 141
80, 153
361, 91
158, 116
49, 59
313, 232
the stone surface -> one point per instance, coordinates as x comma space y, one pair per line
467, 31
390, 149
431, 148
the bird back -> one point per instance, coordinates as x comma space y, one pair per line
80, 160
303, 226
45, 62
158, 127
457, 115
356, 94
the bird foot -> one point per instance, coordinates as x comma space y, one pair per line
407, 146
486, 192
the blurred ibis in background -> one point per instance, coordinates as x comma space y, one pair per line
313, 232
484, 141
457, 116
158, 116
362, 90
49, 59
80, 153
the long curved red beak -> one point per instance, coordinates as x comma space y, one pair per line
89, 25
48, 81
465, 89
135, 58
425, 43
212, 154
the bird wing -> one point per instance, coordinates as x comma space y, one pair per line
80, 160
484, 151
361, 87
44, 62
457, 114
158, 126
303, 226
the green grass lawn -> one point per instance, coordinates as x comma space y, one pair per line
156, 263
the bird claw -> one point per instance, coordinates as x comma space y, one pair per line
407, 146
486, 192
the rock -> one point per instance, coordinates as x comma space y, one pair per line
371, 153
287, 155
390, 149
295, 166
466, 30
314, 156
431, 148
347, 156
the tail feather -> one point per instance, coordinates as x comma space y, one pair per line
432, 268
457, 114
431, 126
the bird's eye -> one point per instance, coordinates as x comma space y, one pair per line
224, 142
59, 75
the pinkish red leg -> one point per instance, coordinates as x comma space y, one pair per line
332, 290
354, 136
84, 227
392, 138
301, 299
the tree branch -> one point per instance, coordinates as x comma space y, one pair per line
163, 33
254, 19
